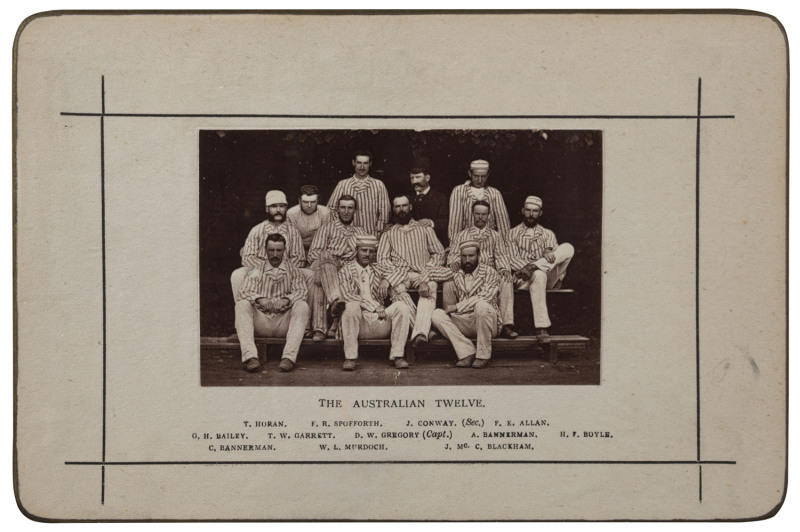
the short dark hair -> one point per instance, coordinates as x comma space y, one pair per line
362, 151
481, 203
401, 195
275, 237
309, 190
347, 197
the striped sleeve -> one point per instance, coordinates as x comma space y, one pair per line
319, 243
337, 193
384, 209
252, 287
296, 255
435, 248
250, 252
457, 211
392, 267
297, 286
500, 213
488, 292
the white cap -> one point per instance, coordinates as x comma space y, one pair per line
276, 197
479, 164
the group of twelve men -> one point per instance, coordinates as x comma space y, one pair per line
351, 257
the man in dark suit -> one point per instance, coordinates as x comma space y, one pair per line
429, 203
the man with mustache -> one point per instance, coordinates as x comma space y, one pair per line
333, 245
494, 253
539, 262
464, 196
428, 203
253, 253
272, 303
370, 193
475, 311
365, 315
412, 257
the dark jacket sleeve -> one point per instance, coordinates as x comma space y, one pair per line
440, 214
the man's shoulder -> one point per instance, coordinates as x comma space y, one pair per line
458, 189
293, 210
323, 210
437, 195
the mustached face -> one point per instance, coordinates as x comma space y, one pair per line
420, 181
469, 259
531, 214
275, 252
366, 256
277, 212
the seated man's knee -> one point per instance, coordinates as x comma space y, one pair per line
482, 307
566, 250
300, 306
352, 307
438, 315
243, 304
538, 276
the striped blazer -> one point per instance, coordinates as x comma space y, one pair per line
372, 202
461, 201
350, 285
526, 249
274, 283
254, 253
494, 248
485, 288
411, 248
337, 239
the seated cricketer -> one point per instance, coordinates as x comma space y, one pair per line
365, 315
333, 245
494, 253
539, 261
272, 303
412, 257
476, 311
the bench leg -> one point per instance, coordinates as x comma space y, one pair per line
552, 352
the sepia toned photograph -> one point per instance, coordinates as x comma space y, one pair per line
399, 205
500, 263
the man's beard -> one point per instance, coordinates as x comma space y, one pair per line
346, 222
531, 222
274, 217
275, 262
468, 267
402, 218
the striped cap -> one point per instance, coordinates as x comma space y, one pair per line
533, 200
367, 241
479, 164
469, 244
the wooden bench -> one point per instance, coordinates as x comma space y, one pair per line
551, 349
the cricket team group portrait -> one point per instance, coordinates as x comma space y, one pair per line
428, 246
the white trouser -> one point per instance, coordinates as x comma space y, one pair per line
505, 299
358, 324
425, 306
289, 324
542, 280
482, 321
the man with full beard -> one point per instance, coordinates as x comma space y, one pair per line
539, 261
333, 245
475, 312
254, 251
494, 253
412, 257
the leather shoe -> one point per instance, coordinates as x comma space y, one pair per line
433, 335
400, 363
508, 332
465, 362
419, 341
286, 365
349, 365
252, 365
480, 363
337, 308
319, 336
307, 333
542, 336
